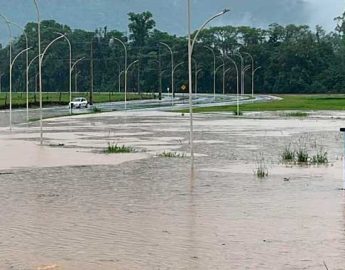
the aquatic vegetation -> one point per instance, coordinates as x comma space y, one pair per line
115, 148
261, 170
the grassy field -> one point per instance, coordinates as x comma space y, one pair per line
289, 102
62, 98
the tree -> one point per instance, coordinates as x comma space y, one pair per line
140, 26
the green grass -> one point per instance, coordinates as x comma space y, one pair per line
57, 98
289, 102
115, 149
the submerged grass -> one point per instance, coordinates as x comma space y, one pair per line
115, 149
302, 155
261, 170
166, 154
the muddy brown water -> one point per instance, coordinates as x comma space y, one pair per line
154, 213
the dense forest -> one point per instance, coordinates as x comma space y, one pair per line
293, 58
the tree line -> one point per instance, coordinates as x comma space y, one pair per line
293, 58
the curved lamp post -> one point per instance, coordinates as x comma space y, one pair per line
39, 66
27, 97
190, 52
224, 74
172, 71
196, 80
253, 74
245, 69
70, 66
10, 63
125, 67
219, 67
251, 57
27, 63
238, 87
11, 67
242, 68
126, 72
214, 71
74, 66
40, 82
120, 74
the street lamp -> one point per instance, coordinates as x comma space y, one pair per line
172, 71
76, 81
245, 69
238, 88
125, 68
242, 68
11, 67
39, 66
10, 60
253, 74
27, 63
225, 71
27, 97
70, 67
197, 71
74, 66
219, 67
126, 72
214, 71
190, 52
120, 74
251, 57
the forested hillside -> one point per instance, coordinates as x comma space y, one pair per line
293, 58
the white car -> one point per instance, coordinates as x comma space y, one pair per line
79, 103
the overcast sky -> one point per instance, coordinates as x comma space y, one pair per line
170, 15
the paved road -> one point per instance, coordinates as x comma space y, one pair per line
180, 101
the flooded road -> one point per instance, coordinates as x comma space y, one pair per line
142, 211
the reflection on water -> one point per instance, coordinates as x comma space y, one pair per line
139, 216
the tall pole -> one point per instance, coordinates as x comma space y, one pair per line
27, 72
253, 75
190, 84
10, 68
74, 67
125, 69
214, 71
242, 73
238, 79
245, 69
120, 74
172, 71
126, 72
190, 52
226, 71
39, 67
76, 81
196, 80
70, 68
251, 57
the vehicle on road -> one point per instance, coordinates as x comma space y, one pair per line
79, 102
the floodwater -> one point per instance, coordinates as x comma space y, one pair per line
140, 211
